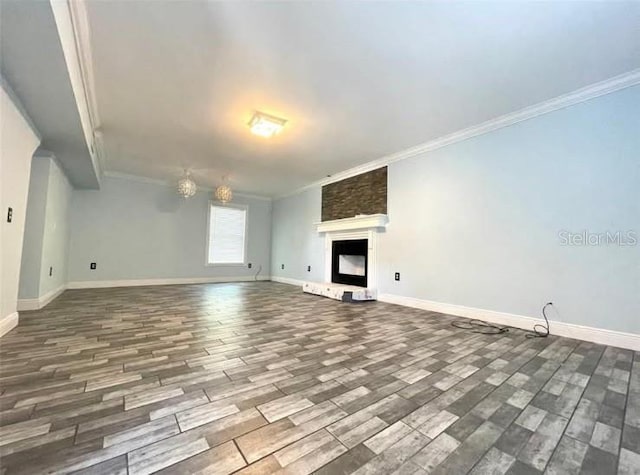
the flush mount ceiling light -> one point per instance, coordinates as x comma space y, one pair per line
186, 186
266, 125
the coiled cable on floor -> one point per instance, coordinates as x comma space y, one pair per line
479, 326
486, 328
540, 330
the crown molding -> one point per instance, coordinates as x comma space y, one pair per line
138, 178
592, 91
250, 196
156, 181
82, 35
72, 26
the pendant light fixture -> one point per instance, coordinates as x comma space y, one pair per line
186, 186
223, 193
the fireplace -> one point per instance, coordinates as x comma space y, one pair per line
349, 262
350, 257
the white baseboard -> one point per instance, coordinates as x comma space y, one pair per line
99, 284
286, 280
40, 302
8, 323
629, 341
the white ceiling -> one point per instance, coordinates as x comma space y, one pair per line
177, 82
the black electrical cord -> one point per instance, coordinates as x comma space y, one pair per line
539, 330
486, 328
255, 277
479, 326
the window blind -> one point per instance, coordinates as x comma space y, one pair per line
226, 235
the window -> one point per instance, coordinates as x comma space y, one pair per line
227, 234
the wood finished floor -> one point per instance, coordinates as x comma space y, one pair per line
260, 378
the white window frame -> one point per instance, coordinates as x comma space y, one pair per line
208, 237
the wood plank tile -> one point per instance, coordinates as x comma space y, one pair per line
164, 453
103, 377
220, 460
139, 431
148, 397
203, 414
23, 430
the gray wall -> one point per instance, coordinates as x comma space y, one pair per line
296, 244
46, 234
137, 230
477, 223
34, 229
19, 141
55, 246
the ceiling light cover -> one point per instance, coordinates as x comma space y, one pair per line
186, 186
266, 125
223, 194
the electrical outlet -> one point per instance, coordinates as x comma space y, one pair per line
50, 271
249, 265
10, 215
308, 268
93, 266
397, 276
282, 266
